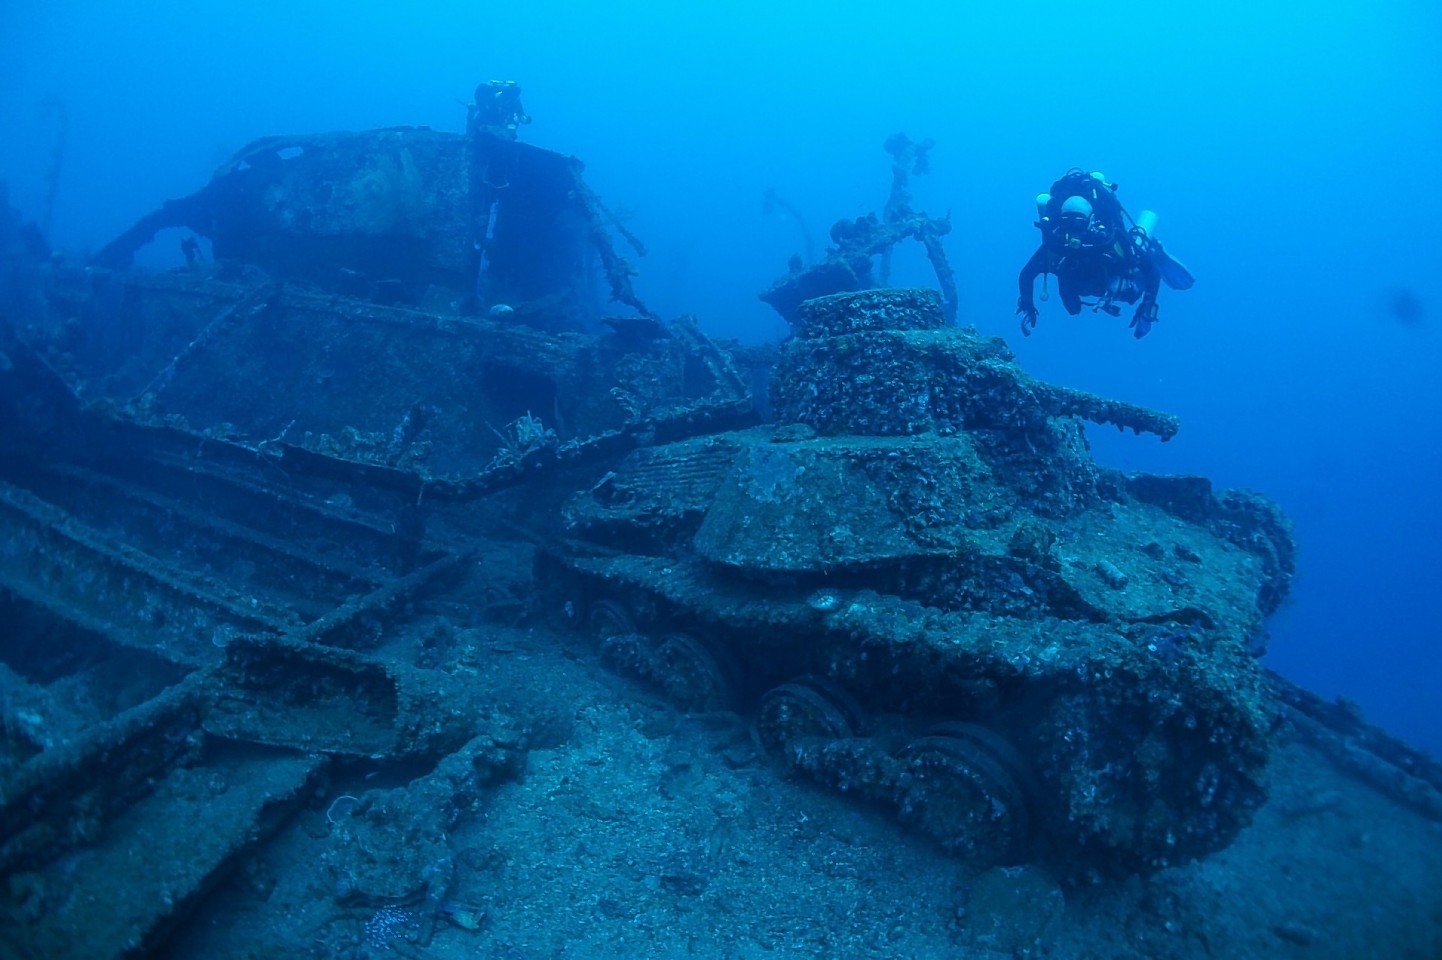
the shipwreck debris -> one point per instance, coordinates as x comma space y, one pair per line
411, 216
859, 245
268, 524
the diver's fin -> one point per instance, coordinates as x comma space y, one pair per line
1174, 272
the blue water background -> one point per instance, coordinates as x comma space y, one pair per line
1292, 151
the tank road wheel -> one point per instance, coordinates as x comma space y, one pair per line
692, 676
619, 644
968, 787
609, 618
808, 707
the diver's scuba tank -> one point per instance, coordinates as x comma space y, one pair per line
1144, 233
1042, 199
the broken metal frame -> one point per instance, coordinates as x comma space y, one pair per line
68, 796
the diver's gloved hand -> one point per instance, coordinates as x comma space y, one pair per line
1143, 319
1027, 312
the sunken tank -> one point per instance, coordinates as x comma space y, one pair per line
930, 596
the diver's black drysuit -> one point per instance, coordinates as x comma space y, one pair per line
1100, 258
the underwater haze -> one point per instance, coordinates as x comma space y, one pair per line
1291, 151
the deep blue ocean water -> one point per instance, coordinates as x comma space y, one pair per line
1291, 151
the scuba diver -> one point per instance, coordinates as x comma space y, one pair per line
497, 110
1096, 250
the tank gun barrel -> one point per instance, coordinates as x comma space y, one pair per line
887, 362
